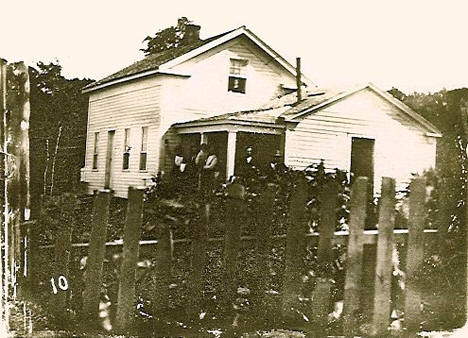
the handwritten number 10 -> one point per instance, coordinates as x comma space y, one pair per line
62, 284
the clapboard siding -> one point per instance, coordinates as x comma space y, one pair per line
205, 93
401, 146
132, 105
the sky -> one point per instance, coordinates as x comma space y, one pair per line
411, 45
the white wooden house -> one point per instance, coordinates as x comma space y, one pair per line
233, 90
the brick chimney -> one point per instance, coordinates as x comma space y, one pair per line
192, 32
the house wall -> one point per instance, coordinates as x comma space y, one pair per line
130, 105
162, 100
401, 147
205, 93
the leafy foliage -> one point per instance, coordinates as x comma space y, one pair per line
57, 130
169, 38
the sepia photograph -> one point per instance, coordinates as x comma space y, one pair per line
234, 169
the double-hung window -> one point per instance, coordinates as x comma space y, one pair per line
95, 150
126, 149
237, 76
144, 147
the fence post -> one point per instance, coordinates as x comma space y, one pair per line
198, 263
163, 275
62, 250
130, 253
321, 294
383, 269
263, 248
234, 208
352, 285
96, 253
295, 247
415, 254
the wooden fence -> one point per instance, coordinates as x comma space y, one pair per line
366, 274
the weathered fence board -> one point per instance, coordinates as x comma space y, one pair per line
163, 272
263, 249
321, 295
198, 263
62, 251
126, 293
234, 209
415, 254
354, 259
295, 247
95, 261
383, 269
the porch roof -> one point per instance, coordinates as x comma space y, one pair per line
266, 117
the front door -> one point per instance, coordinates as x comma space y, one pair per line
110, 146
362, 160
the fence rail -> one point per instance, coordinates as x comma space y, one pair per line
340, 237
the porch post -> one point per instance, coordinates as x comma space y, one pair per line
231, 153
203, 138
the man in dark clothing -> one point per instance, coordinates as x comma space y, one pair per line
276, 167
248, 167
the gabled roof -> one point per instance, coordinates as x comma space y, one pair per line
303, 109
163, 62
285, 108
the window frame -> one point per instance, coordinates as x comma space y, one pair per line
144, 149
95, 164
237, 72
126, 150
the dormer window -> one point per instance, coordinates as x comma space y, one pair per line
237, 76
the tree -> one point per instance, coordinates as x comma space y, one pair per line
57, 130
169, 38
445, 110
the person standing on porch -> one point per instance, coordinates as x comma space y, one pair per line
192, 169
179, 162
248, 169
200, 161
209, 173
276, 167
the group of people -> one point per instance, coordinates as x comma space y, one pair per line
250, 169
200, 169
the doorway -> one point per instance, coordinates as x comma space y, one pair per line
110, 147
362, 161
263, 146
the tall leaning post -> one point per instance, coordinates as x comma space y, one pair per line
415, 255
321, 295
354, 259
132, 231
96, 253
295, 249
234, 208
162, 276
263, 249
383, 269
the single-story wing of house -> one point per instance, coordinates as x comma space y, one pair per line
234, 91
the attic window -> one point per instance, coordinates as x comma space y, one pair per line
237, 76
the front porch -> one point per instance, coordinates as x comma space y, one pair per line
231, 138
